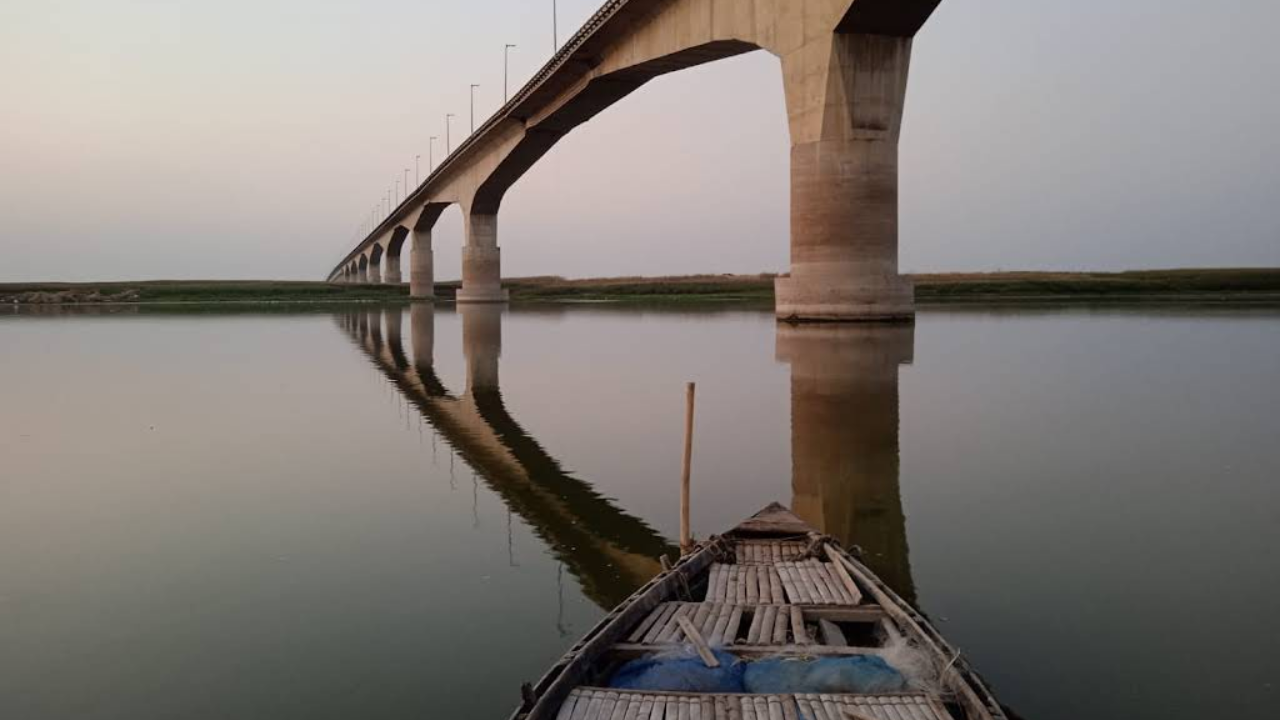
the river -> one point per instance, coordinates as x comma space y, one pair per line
402, 512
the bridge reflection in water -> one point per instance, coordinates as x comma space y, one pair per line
844, 430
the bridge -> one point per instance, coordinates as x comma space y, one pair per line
844, 69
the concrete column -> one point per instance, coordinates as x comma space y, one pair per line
422, 280
844, 437
844, 101
481, 262
481, 344
422, 331
393, 270
375, 271
362, 275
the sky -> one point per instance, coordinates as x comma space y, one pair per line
247, 139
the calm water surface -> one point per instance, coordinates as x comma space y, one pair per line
405, 513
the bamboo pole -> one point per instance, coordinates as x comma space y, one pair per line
686, 538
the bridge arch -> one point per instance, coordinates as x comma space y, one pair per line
394, 245
421, 253
375, 263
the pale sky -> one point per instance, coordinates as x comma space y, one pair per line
246, 139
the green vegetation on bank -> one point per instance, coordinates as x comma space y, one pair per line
1205, 285
197, 291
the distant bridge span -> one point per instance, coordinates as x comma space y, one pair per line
844, 68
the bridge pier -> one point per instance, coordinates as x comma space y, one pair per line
422, 281
845, 96
375, 265
362, 275
393, 270
482, 261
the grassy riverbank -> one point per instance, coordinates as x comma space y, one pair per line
1228, 285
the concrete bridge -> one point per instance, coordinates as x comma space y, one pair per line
844, 70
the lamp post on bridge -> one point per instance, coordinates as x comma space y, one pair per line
448, 141
506, 62
417, 170
555, 30
473, 108
406, 183
431, 154
398, 190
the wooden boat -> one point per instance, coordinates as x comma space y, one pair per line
771, 587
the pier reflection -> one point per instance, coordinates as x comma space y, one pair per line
844, 438
610, 551
844, 443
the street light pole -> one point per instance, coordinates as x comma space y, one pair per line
448, 141
473, 108
506, 62
398, 189
555, 30
406, 183
417, 169
431, 154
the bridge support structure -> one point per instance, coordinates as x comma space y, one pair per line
844, 70
845, 95
482, 261
392, 276
375, 264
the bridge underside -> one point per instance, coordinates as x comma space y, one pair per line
844, 67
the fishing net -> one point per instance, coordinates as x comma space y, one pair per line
680, 671
848, 674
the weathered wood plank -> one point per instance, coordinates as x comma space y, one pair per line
797, 626
695, 637
845, 578
757, 620
731, 631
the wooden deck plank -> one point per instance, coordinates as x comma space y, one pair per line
655, 630
638, 634
700, 618
731, 631
753, 630
845, 578
780, 618
797, 627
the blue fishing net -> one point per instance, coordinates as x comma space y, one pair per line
849, 674
680, 671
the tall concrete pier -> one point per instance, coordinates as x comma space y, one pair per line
844, 70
